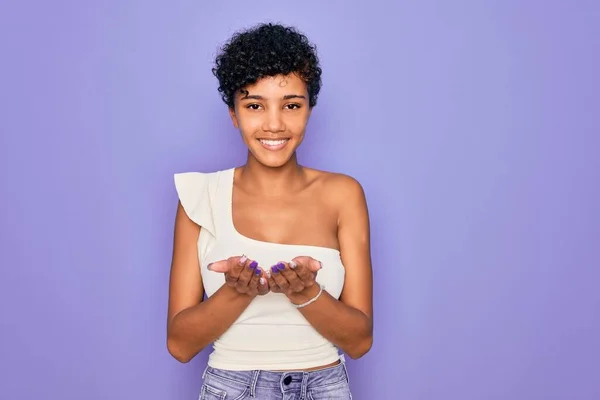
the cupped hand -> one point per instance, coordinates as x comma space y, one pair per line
294, 276
242, 274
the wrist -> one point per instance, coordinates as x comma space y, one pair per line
305, 295
232, 294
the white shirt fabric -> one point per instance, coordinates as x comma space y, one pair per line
270, 334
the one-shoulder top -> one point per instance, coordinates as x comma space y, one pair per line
270, 334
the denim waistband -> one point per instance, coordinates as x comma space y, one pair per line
290, 380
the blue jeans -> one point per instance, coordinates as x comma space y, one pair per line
330, 383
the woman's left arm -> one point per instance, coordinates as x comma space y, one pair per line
347, 322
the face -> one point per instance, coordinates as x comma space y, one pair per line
271, 116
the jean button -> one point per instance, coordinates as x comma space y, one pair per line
287, 380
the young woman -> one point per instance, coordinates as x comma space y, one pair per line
281, 250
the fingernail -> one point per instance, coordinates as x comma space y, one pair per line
253, 265
321, 265
243, 259
263, 281
208, 267
281, 266
274, 269
292, 264
257, 271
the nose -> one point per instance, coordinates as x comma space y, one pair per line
273, 121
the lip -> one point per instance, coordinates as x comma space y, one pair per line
276, 147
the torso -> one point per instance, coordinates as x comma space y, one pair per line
269, 229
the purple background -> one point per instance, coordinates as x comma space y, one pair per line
473, 126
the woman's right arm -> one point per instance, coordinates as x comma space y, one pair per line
193, 324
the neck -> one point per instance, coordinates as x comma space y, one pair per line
269, 180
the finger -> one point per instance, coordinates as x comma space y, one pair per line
253, 284
248, 271
228, 265
236, 265
271, 282
279, 279
312, 264
219, 266
263, 284
296, 284
303, 272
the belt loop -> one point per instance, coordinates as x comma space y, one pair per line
204, 373
253, 383
304, 387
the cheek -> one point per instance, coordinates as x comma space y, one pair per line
248, 125
297, 126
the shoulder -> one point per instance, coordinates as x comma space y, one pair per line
343, 191
195, 180
347, 196
340, 186
197, 192
345, 185
198, 175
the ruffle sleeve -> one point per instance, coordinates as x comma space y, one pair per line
193, 189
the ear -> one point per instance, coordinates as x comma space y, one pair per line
233, 117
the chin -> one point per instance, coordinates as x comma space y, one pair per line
273, 162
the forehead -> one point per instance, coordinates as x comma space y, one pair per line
277, 85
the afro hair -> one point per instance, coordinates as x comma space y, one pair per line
263, 51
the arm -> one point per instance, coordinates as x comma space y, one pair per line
192, 324
348, 322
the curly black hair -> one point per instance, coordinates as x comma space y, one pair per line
266, 50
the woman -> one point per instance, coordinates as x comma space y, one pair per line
281, 250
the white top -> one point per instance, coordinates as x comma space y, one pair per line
270, 334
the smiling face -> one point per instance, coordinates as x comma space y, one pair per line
272, 115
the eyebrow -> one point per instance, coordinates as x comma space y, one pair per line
286, 97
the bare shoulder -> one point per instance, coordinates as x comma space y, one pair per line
341, 188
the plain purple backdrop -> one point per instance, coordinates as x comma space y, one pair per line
472, 125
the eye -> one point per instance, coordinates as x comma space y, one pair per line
293, 106
253, 106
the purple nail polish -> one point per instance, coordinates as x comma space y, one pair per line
208, 266
257, 271
281, 266
253, 265
274, 269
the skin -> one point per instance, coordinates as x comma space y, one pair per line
277, 200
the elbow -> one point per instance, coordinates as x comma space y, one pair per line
177, 347
361, 348
177, 351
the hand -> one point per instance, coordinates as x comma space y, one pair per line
293, 277
243, 275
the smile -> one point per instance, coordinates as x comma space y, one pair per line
273, 145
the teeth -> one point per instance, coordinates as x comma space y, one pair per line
273, 142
